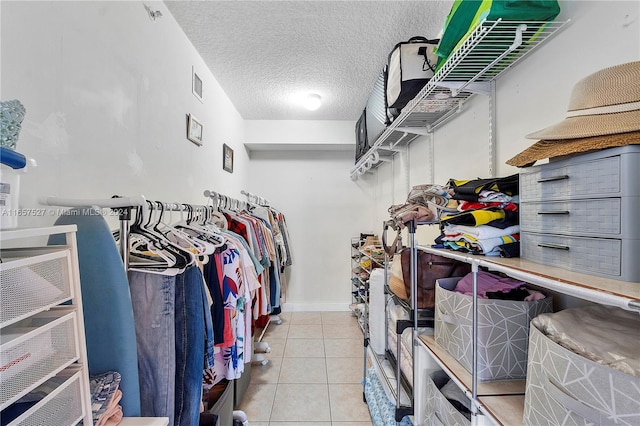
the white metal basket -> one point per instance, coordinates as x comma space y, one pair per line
34, 350
33, 280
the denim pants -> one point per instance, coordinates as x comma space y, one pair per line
189, 346
153, 301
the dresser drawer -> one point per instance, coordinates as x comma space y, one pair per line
605, 217
33, 280
608, 173
611, 258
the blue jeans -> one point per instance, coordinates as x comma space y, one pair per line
189, 347
153, 301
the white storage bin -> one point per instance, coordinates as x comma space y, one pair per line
61, 407
566, 388
9, 196
34, 350
439, 411
398, 313
503, 331
33, 280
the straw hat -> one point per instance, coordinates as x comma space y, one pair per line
604, 112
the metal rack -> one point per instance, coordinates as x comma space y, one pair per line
491, 398
389, 365
490, 49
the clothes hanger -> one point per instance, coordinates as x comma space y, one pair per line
206, 235
216, 216
147, 247
176, 258
176, 236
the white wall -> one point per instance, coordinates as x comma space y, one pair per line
324, 209
302, 168
299, 134
107, 91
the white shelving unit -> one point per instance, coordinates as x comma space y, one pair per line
502, 402
42, 344
492, 48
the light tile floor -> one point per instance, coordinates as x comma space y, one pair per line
314, 373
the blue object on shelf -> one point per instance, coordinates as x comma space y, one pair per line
11, 158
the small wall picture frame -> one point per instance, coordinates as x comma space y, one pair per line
194, 130
227, 158
196, 84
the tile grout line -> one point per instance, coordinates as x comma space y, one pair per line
326, 372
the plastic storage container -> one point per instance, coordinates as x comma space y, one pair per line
12, 165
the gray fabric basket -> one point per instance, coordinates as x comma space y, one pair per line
564, 388
503, 331
439, 410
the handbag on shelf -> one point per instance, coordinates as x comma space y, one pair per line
404, 213
396, 281
422, 204
396, 245
431, 267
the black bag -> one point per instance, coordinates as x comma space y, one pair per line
376, 110
373, 121
362, 143
410, 66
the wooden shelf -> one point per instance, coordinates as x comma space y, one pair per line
457, 372
502, 401
597, 289
506, 410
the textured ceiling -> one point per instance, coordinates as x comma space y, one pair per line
265, 54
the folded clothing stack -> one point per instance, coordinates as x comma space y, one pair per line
486, 221
492, 286
105, 396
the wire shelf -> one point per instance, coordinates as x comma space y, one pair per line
490, 49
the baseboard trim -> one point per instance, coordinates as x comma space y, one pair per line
315, 307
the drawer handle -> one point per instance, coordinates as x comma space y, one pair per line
553, 178
554, 212
562, 397
554, 246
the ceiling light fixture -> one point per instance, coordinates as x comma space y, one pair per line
312, 102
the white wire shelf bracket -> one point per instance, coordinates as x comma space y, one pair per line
490, 49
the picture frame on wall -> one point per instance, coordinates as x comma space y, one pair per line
194, 130
227, 158
196, 84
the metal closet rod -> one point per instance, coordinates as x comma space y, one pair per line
252, 198
135, 201
218, 198
258, 199
115, 202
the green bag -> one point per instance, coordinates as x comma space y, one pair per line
466, 15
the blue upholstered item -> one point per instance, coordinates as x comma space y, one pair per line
382, 410
108, 315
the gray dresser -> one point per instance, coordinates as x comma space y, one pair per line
581, 213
